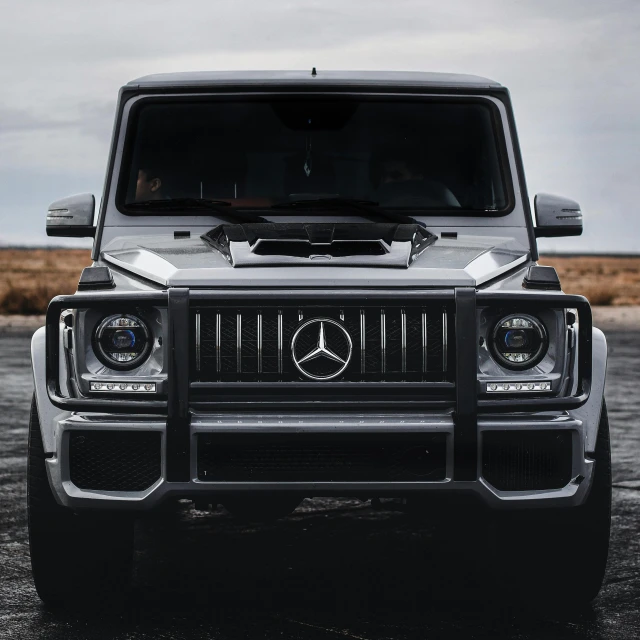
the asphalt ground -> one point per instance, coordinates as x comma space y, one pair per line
333, 569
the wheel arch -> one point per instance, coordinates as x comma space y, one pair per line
589, 413
47, 412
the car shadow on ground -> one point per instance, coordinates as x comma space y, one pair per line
337, 568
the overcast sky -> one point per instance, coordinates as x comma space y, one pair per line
573, 68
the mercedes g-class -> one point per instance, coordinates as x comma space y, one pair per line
311, 284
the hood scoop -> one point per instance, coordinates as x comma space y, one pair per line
284, 244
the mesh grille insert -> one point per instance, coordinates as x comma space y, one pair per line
272, 459
526, 460
114, 460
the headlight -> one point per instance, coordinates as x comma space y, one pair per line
519, 341
122, 342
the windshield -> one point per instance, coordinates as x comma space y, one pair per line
422, 155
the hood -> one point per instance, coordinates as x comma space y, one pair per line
340, 255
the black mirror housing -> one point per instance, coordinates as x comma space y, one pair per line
557, 217
72, 217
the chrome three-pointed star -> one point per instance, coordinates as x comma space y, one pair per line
321, 350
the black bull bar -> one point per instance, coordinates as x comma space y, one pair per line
176, 405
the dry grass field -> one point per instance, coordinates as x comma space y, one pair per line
29, 278
603, 280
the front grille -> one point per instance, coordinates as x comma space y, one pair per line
526, 460
389, 343
114, 460
273, 459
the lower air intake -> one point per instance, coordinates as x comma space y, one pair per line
301, 460
114, 460
526, 460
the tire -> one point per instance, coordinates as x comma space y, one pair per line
76, 559
562, 553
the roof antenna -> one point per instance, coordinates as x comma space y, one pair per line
314, 73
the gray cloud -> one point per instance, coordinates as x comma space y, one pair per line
571, 66
17, 120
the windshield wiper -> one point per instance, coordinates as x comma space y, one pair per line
219, 207
365, 208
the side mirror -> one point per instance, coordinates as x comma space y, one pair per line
556, 216
72, 217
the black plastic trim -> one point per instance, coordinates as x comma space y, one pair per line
178, 416
541, 277
347, 406
559, 231
96, 278
209, 297
72, 231
465, 419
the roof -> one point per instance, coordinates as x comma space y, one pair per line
201, 79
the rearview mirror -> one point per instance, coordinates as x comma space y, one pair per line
72, 217
556, 216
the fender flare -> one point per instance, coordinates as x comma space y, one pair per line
48, 414
589, 413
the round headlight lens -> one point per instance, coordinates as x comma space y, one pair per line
519, 341
515, 339
122, 341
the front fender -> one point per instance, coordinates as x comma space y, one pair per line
48, 414
589, 413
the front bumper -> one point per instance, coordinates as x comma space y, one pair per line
329, 425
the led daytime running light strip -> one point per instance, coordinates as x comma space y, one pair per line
517, 387
123, 387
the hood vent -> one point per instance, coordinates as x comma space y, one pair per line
276, 244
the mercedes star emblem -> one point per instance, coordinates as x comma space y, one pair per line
321, 349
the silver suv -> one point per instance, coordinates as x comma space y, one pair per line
318, 284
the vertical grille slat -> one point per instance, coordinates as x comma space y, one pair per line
392, 343
259, 341
425, 354
198, 342
363, 344
403, 315
383, 341
445, 345
218, 353
239, 342
280, 341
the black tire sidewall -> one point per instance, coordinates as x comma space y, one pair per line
560, 554
82, 558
